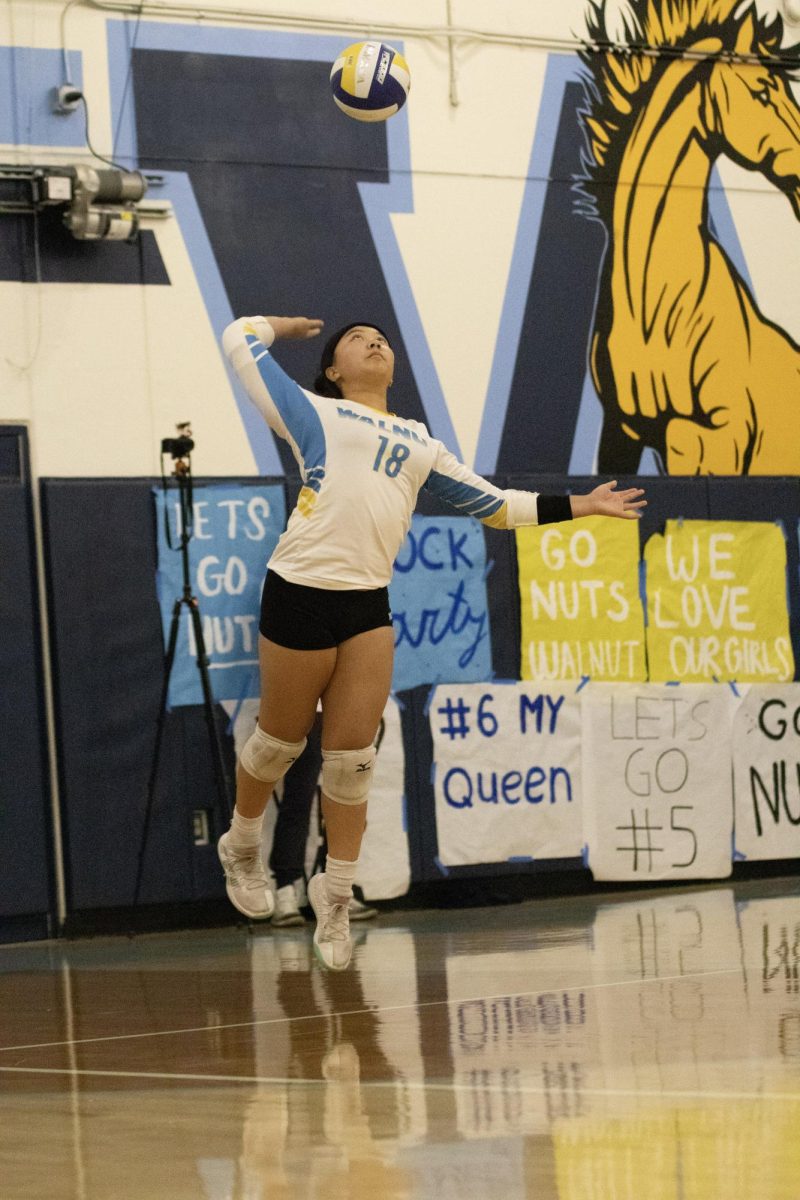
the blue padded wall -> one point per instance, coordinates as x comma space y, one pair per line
108, 669
108, 664
25, 857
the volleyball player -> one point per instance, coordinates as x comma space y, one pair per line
326, 629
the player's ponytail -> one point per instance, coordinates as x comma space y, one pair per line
326, 387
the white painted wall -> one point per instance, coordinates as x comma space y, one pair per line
101, 373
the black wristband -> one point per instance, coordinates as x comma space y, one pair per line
553, 508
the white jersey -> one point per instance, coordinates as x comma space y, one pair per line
362, 470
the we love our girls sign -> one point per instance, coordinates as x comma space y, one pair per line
716, 603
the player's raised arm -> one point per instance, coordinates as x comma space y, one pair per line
295, 329
246, 344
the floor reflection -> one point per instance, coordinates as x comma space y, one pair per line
641, 1045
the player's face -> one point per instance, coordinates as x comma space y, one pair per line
363, 356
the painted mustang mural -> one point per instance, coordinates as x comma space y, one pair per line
682, 358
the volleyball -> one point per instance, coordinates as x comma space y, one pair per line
370, 81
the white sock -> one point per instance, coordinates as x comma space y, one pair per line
245, 831
339, 876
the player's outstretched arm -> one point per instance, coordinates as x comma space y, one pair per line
606, 501
468, 492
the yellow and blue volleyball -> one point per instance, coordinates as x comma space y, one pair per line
370, 81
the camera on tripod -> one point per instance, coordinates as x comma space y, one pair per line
179, 449
178, 495
180, 446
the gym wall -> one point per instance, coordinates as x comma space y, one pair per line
477, 227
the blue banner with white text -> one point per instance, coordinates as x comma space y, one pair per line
234, 531
439, 604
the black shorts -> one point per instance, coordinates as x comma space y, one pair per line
310, 618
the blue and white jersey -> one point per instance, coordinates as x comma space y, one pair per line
362, 470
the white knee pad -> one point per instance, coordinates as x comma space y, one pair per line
347, 774
268, 758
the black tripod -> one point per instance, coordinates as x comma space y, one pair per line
180, 448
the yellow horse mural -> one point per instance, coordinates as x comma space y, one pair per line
682, 358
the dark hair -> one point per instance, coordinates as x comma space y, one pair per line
324, 386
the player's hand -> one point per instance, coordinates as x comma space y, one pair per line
605, 501
296, 328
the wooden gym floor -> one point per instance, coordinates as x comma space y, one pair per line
640, 1045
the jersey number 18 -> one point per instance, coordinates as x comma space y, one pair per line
394, 462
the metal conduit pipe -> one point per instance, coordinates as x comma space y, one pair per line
445, 33
284, 20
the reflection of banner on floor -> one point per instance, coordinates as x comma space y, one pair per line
672, 1146
766, 771
672, 944
579, 597
668, 942
439, 604
520, 1060
236, 528
770, 944
506, 771
717, 604
657, 800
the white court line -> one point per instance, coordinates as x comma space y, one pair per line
357, 1012
417, 1085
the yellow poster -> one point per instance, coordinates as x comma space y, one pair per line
579, 599
716, 602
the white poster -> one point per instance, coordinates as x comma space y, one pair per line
766, 772
506, 763
384, 866
657, 794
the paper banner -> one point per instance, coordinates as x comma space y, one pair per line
766, 772
384, 866
236, 528
716, 602
439, 604
579, 596
506, 772
657, 795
